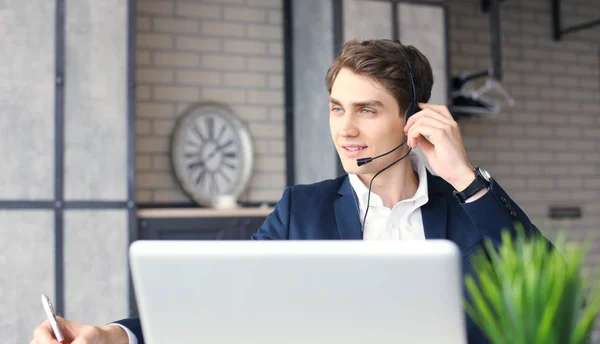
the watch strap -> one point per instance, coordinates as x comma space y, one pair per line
477, 185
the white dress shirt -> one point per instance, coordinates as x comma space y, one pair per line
404, 220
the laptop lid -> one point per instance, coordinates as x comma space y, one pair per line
276, 292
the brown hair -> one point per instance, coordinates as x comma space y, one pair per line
381, 60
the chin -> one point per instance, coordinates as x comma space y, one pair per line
351, 167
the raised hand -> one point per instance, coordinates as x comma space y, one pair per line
438, 136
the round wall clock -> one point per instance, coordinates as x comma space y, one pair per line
212, 153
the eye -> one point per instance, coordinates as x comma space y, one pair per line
336, 109
367, 112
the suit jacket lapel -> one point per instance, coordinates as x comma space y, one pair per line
435, 211
346, 213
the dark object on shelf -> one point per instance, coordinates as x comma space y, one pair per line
558, 31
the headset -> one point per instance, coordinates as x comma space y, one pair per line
412, 109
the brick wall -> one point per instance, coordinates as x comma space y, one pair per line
544, 151
211, 50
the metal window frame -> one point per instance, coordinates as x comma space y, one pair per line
58, 204
133, 232
59, 108
288, 56
338, 43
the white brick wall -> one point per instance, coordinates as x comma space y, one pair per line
544, 150
232, 50
220, 50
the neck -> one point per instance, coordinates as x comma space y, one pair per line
395, 184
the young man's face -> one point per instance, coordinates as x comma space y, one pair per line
365, 121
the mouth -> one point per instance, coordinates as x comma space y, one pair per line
353, 150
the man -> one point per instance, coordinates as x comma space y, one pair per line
374, 87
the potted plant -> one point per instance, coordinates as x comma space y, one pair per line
530, 294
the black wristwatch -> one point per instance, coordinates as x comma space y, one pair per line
482, 180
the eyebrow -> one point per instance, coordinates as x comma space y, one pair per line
367, 103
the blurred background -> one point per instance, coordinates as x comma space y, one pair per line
91, 91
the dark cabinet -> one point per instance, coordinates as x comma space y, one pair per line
200, 224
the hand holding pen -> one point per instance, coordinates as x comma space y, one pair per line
51, 316
57, 330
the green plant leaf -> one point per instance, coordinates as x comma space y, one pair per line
582, 330
552, 304
526, 292
485, 313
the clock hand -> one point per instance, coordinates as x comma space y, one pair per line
219, 148
197, 130
211, 127
220, 133
200, 176
196, 164
225, 163
202, 163
214, 185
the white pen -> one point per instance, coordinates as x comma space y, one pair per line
51, 315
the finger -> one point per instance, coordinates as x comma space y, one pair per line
425, 130
70, 328
43, 334
442, 109
427, 113
432, 122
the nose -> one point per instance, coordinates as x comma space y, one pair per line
348, 127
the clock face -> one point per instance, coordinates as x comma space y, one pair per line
211, 154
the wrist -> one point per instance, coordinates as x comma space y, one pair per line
475, 189
115, 334
463, 180
478, 195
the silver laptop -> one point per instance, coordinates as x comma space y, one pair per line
279, 292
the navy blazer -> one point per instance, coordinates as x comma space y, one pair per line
328, 210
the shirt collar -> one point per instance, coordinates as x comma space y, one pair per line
419, 198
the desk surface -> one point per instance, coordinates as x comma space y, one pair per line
203, 212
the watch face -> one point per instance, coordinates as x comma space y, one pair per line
212, 154
484, 174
